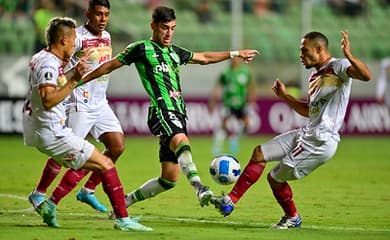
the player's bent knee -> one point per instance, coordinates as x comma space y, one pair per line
257, 155
103, 164
272, 182
107, 163
117, 149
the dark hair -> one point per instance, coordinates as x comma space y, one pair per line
58, 27
163, 14
94, 3
317, 37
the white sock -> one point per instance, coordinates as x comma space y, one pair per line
149, 189
87, 190
188, 168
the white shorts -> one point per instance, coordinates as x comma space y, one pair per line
298, 156
68, 150
97, 122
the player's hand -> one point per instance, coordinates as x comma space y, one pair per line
345, 46
248, 54
279, 88
82, 67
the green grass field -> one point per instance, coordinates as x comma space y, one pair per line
348, 198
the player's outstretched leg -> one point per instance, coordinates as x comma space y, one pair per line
250, 175
224, 204
188, 168
149, 189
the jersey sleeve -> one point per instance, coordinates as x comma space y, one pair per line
184, 54
340, 67
47, 74
131, 53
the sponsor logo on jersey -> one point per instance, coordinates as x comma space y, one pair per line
177, 123
97, 42
162, 68
174, 94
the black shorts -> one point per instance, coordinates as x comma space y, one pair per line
238, 113
166, 124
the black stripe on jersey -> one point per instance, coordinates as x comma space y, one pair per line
175, 71
172, 81
151, 75
165, 79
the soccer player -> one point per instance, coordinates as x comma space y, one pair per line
157, 62
44, 121
383, 84
88, 111
238, 90
300, 151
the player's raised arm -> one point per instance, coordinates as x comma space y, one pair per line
299, 106
102, 69
214, 57
358, 69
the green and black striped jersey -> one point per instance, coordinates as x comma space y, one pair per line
159, 71
235, 85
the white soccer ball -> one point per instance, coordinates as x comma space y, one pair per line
225, 169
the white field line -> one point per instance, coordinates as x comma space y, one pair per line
193, 220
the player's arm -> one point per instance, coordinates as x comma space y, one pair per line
102, 69
299, 106
51, 95
251, 91
214, 97
357, 70
214, 57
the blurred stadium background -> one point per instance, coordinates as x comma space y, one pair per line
274, 27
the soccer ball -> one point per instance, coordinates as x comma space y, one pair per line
225, 169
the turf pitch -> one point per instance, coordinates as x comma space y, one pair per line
347, 198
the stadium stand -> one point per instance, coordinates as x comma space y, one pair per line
275, 34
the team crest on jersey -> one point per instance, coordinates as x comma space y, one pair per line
48, 75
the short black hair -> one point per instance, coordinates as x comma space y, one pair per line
163, 14
317, 37
58, 27
93, 3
